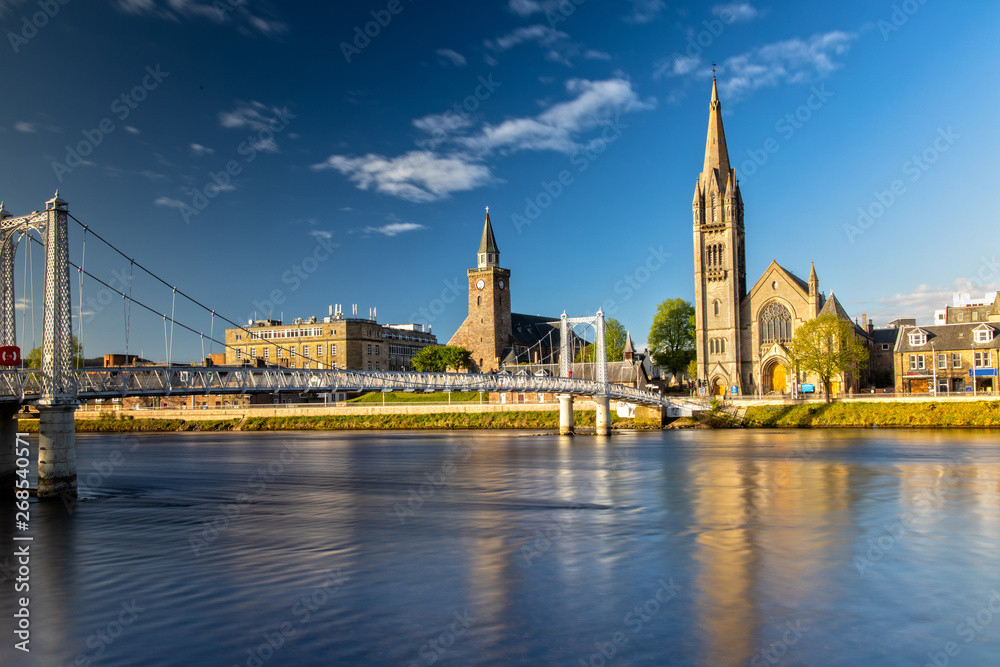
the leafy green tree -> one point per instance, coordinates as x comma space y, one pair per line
614, 341
34, 358
827, 347
438, 358
672, 336
692, 369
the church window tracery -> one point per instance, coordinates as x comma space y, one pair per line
775, 324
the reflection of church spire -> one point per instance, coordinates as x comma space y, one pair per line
716, 153
489, 254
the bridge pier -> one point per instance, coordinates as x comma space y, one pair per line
8, 438
566, 414
603, 420
56, 450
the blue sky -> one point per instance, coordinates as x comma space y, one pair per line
346, 168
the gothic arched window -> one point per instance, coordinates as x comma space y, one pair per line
718, 305
775, 324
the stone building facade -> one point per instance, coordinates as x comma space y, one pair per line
336, 342
948, 359
742, 334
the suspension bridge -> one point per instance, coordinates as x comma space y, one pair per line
56, 389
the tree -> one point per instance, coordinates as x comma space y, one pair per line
34, 358
438, 358
614, 341
672, 336
827, 347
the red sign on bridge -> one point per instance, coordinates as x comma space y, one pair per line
10, 355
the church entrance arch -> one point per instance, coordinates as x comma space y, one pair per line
775, 378
718, 387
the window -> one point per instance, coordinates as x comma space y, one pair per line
253, 353
942, 385
956, 360
333, 350
376, 365
376, 350
291, 351
305, 350
717, 305
319, 350
369, 365
775, 324
982, 359
917, 362
918, 338
479, 300
984, 335
885, 346
305, 366
239, 354
278, 355
942, 361
369, 350
267, 353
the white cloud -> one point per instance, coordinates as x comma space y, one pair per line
131, 130
321, 234
453, 57
251, 115
644, 11
393, 228
735, 12
529, 7
791, 61
923, 300
557, 44
170, 203
596, 103
424, 176
27, 128
198, 149
677, 65
594, 54
417, 176
247, 15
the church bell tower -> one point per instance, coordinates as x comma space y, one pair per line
720, 281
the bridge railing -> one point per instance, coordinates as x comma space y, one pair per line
26, 384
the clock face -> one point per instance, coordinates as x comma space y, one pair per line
480, 284
501, 284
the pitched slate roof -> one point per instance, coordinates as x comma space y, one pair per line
948, 337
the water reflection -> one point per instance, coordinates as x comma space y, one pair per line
790, 548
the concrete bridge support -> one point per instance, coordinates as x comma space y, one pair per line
56, 451
566, 426
603, 404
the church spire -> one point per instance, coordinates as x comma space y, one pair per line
716, 154
489, 254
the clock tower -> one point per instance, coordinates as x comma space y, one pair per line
486, 331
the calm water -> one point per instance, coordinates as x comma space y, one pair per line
677, 548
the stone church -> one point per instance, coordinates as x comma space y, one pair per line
742, 332
494, 334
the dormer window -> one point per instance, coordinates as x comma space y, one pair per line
918, 338
984, 334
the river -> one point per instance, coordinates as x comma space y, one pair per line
710, 548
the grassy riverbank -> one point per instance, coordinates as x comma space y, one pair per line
547, 420
975, 414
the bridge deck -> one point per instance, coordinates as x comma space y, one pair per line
26, 386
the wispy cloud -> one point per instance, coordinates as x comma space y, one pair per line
451, 57
790, 61
529, 7
417, 176
645, 11
198, 149
132, 130
557, 45
736, 12
169, 202
256, 117
424, 176
923, 300
393, 228
321, 234
27, 128
555, 129
249, 16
